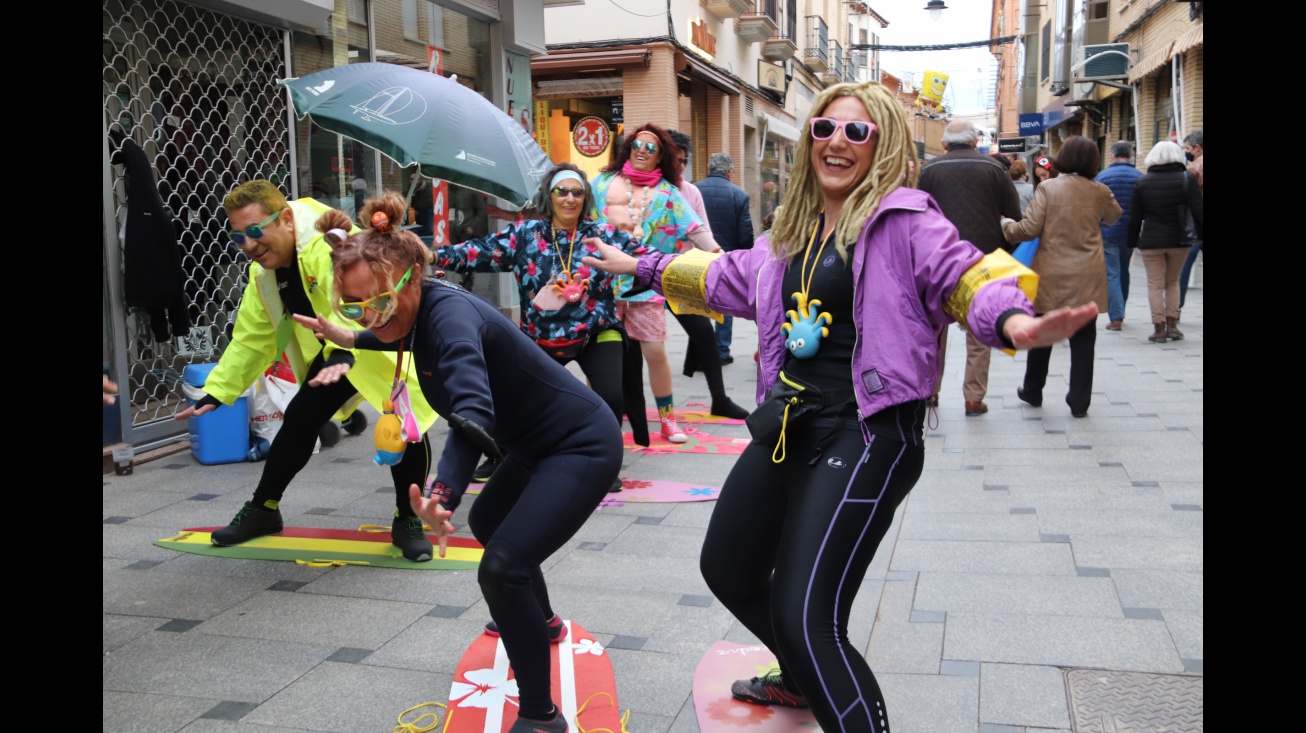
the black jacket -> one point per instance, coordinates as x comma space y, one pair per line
727, 212
973, 189
1154, 208
152, 274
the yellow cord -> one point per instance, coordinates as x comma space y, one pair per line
624, 718
804, 277
416, 726
330, 563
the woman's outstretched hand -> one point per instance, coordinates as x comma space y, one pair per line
324, 329
613, 260
1030, 332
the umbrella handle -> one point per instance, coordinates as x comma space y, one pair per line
412, 186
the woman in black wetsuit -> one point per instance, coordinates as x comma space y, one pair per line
562, 443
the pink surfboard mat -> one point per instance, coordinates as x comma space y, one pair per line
718, 711
694, 412
699, 442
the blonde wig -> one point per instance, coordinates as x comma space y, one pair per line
893, 164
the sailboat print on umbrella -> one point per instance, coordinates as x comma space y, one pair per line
393, 105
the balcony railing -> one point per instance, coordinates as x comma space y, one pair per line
816, 51
755, 26
833, 73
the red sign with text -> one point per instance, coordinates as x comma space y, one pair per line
591, 136
440, 190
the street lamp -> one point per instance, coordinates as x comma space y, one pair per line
936, 8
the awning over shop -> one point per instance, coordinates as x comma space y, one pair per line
775, 127
626, 58
1188, 40
1151, 62
703, 70
598, 86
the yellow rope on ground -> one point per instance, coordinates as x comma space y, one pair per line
416, 726
181, 536
625, 717
330, 563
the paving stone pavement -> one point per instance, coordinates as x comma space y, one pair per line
1035, 549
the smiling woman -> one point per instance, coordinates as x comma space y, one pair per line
848, 371
500, 391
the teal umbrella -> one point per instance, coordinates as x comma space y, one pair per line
419, 118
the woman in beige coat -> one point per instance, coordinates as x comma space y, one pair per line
1066, 215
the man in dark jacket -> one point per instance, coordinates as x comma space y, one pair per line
732, 225
1120, 177
975, 192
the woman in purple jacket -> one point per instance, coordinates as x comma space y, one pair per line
859, 277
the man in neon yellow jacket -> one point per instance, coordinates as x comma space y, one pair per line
291, 273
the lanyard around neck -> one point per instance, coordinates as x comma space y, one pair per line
571, 247
804, 277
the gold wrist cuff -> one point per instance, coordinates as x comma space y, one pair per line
684, 284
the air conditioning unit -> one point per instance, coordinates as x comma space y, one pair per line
1105, 61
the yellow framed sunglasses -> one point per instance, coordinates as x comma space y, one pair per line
377, 303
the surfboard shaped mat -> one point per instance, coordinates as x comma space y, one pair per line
483, 696
718, 711
322, 547
688, 415
699, 442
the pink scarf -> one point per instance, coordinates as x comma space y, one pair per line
641, 179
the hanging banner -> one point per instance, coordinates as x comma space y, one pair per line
440, 192
435, 60
542, 125
932, 89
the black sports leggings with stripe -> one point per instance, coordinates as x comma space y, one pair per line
787, 548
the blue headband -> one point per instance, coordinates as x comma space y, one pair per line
566, 174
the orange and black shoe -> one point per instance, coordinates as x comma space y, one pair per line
768, 689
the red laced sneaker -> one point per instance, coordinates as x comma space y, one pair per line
767, 690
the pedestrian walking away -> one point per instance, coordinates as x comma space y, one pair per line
1193, 153
825, 487
497, 388
1156, 229
973, 190
1120, 177
727, 208
1066, 215
291, 273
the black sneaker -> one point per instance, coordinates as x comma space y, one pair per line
252, 521
726, 407
767, 690
485, 470
557, 629
616, 485
407, 534
557, 725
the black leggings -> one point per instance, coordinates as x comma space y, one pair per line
601, 364
703, 353
526, 511
307, 412
787, 548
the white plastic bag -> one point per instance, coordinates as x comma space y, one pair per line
267, 404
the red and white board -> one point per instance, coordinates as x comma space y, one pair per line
483, 697
718, 711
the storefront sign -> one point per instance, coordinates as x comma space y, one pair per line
618, 110
542, 125
591, 136
771, 76
1013, 145
440, 194
517, 85
701, 39
1031, 123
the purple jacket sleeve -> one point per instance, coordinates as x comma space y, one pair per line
940, 258
731, 279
